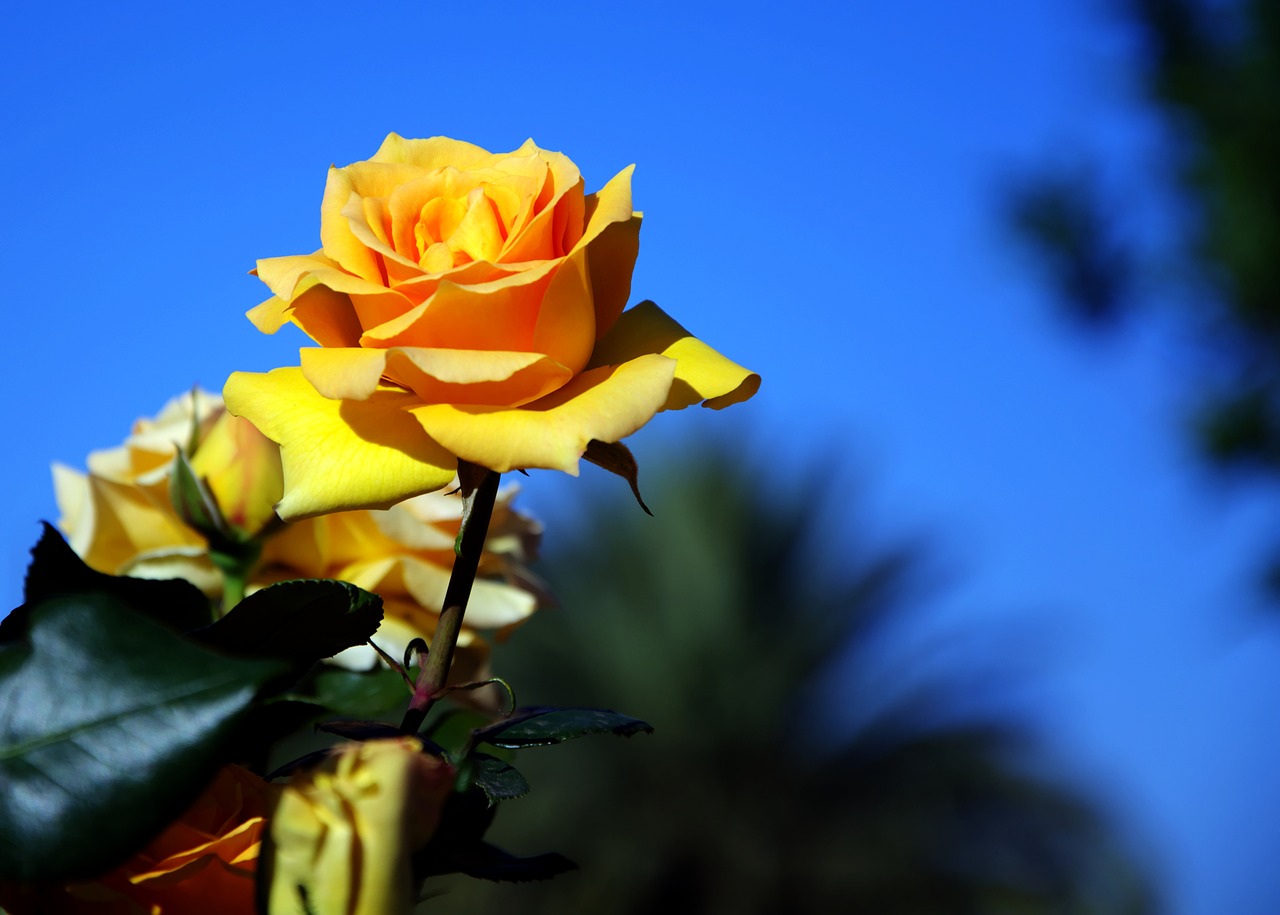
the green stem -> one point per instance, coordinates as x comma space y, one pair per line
477, 510
233, 586
235, 564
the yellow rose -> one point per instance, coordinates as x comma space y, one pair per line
344, 832
120, 519
204, 862
405, 556
468, 305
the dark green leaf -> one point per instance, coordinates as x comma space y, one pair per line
358, 694
616, 458
361, 730
110, 724
297, 621
56, 571
542, 725
500, 781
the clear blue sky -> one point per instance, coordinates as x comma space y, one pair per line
820, 186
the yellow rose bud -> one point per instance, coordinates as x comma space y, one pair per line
242, 469
343, 833
467, 305
203, 864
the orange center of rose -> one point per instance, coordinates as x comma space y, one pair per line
452, 231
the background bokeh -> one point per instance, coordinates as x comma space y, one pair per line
823, 189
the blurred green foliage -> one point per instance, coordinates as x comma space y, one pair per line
1210, 74
719, 621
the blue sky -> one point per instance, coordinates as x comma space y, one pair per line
820, 183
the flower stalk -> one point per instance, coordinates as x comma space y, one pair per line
478, 497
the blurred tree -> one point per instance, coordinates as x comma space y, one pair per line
718, 623
1210, 70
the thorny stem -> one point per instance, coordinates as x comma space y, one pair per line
470, 544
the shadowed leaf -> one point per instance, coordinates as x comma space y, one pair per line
110, 724
56, 571
297, 621
358, 694
500, 781
537, 726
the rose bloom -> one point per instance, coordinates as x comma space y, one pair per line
119, 518
405, 555
344, 832
204, 862
467, 305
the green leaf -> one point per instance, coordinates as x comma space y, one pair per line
56, 571
357, 694
110, 725
536, 726
500, 781
297, 621
453, 729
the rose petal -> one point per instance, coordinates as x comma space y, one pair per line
611, 259
497, 315
270, 315
611, 204
370, 225
479, 233
372, 302
325, 316
226, 847
116, 521
428, 191
435, 375
421, 527
497, 605
566, 326
541, 235
433, 152
361, 179
702, 374
606, 403
281, 274
339, 454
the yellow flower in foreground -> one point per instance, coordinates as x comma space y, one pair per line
203, 864
468, 305
120, 519
343, 833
